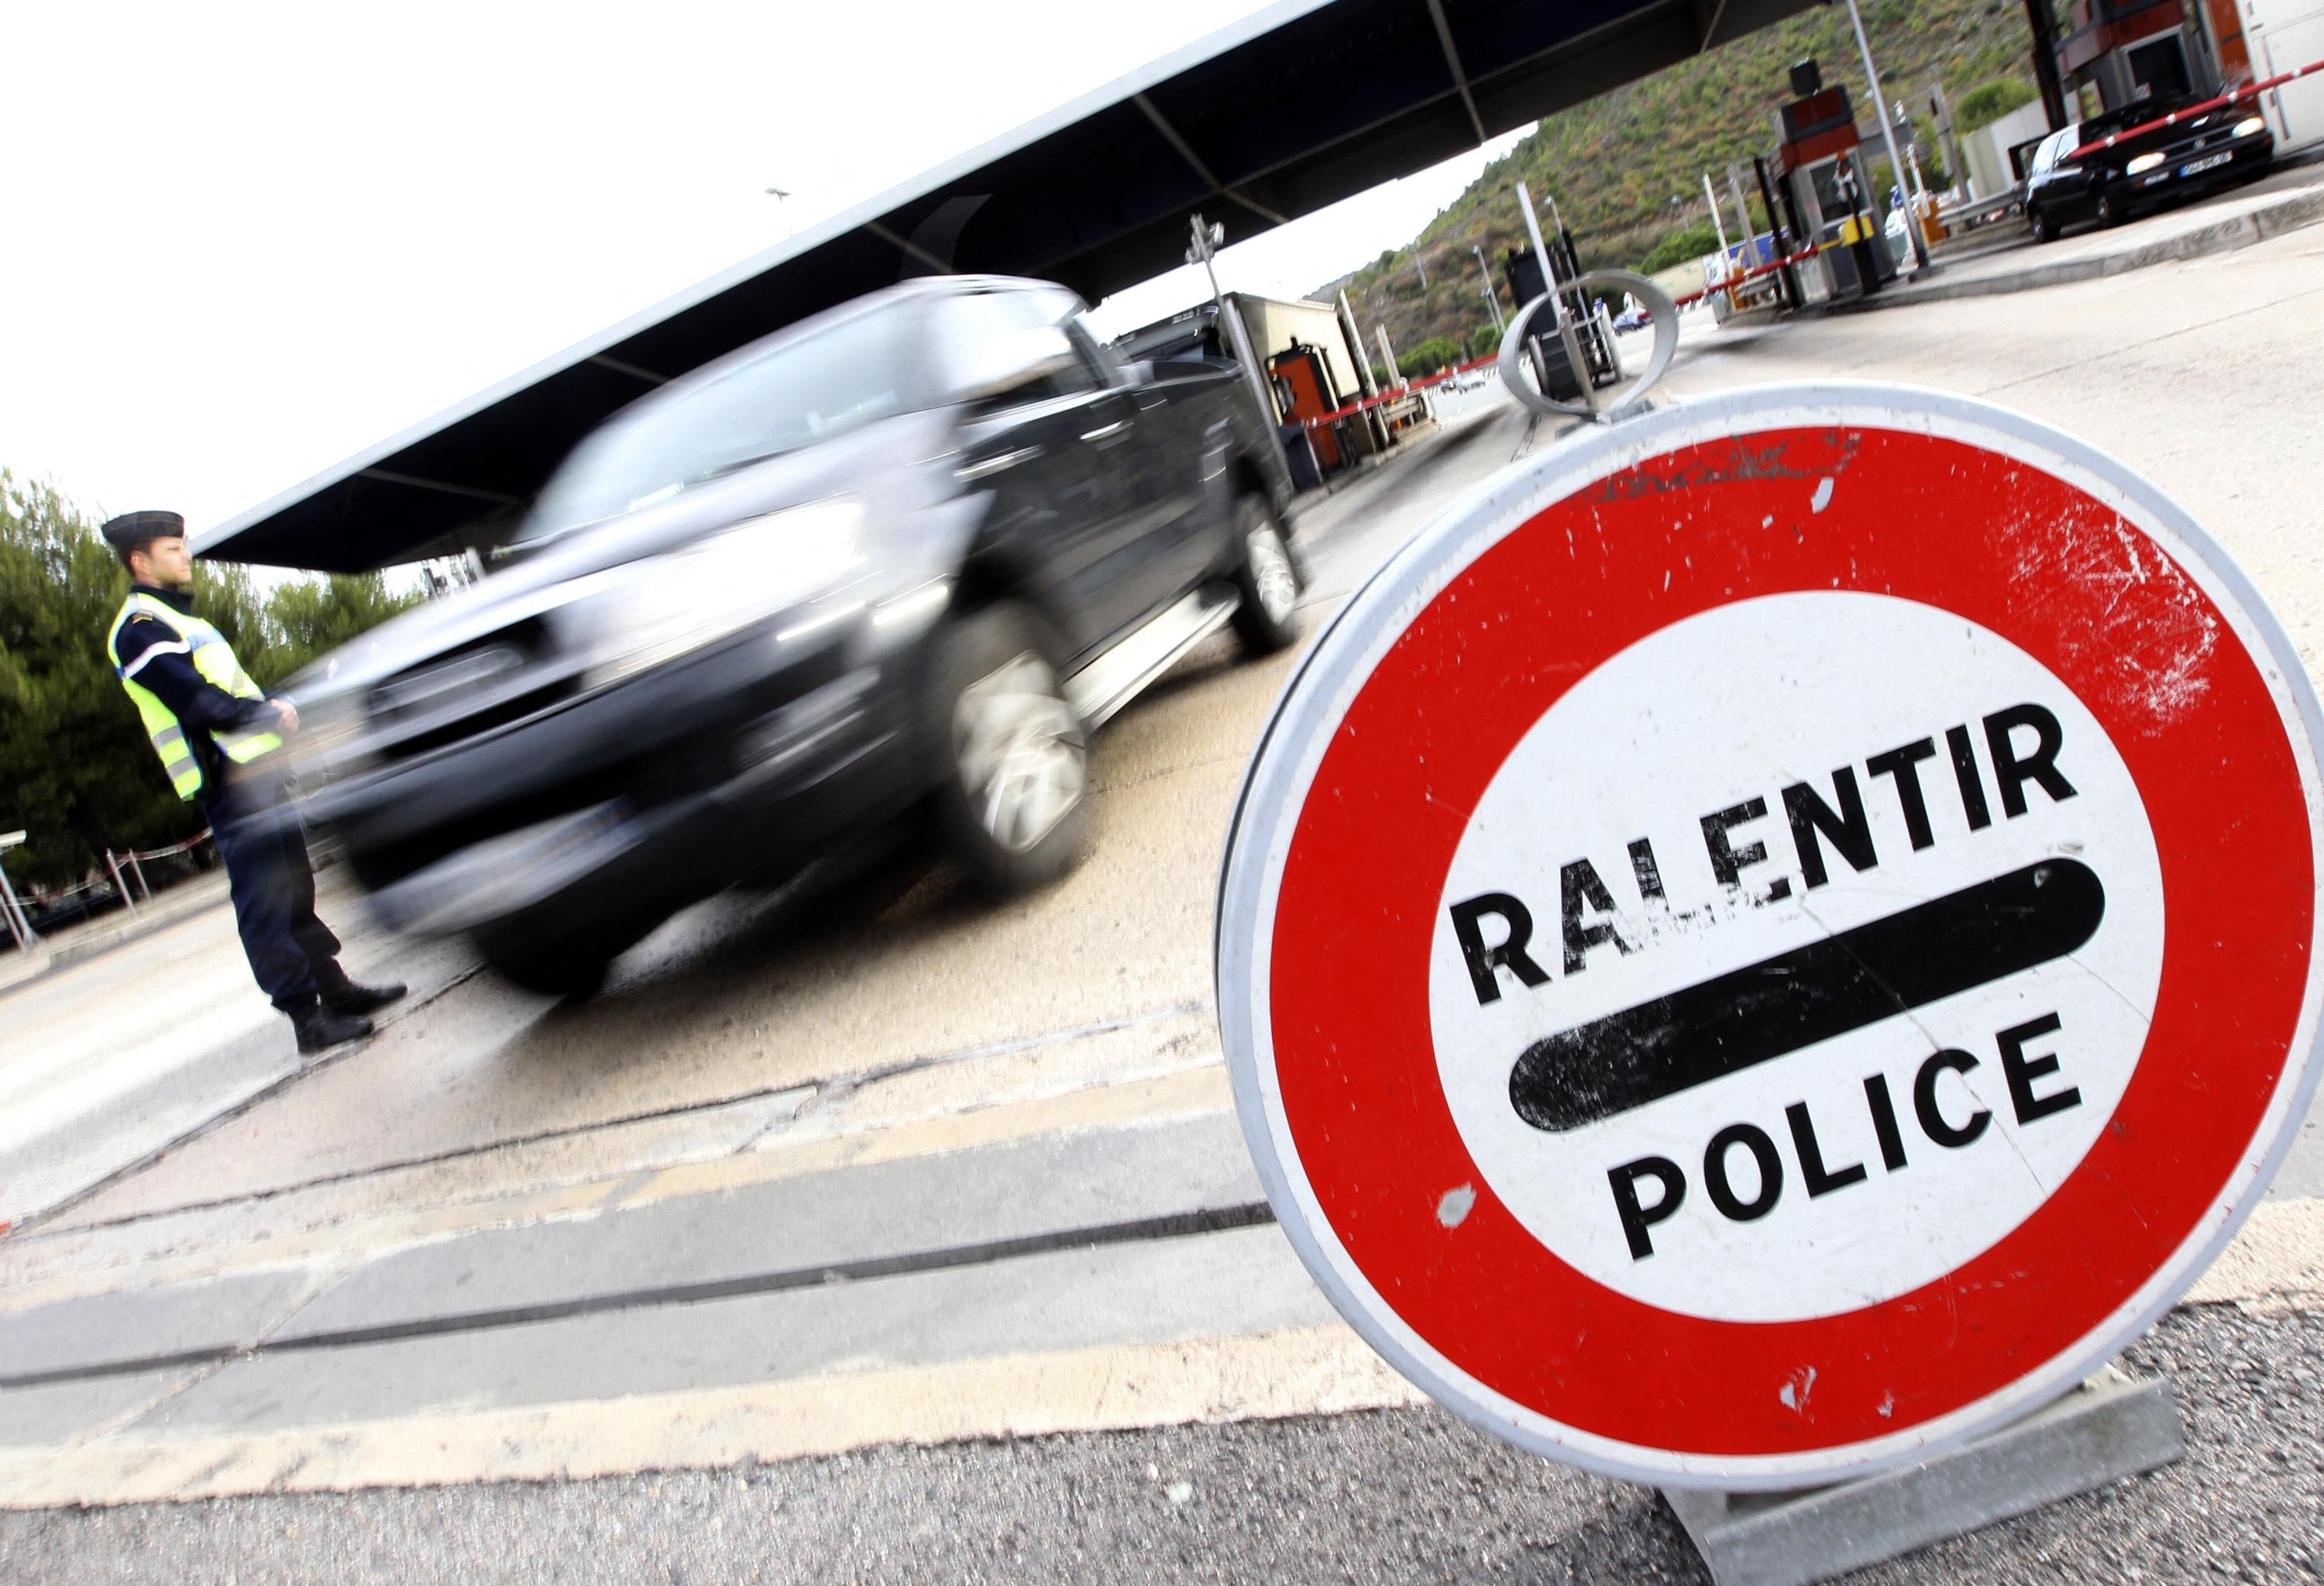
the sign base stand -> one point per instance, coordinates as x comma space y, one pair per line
2109, 1428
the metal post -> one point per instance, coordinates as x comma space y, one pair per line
1743, 212
1574, 358
1419, 265
1491, 296
1355, 338
1896, 162
18, 926
119, 885
1387, 353
2040, 19
1789, 274
1239, 337
1941, 112
139, 871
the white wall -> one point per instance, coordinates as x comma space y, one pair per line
1986, 151
2284, 35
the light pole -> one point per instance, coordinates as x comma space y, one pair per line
1896, 162
1492, 298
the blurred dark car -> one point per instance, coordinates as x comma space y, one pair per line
2110, 183
897, 559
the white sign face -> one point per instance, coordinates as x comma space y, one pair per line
1684, 876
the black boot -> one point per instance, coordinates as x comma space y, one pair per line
353, 999
321, 1027
343, 995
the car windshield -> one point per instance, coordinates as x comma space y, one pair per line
838, 379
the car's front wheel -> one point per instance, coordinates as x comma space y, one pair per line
2046, 224
2108, 211
1268, 579
1011, 804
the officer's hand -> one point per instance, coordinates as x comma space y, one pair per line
290, 715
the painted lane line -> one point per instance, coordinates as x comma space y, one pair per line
1174, 1225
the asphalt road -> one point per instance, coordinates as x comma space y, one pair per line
511, 1238
1394, 1496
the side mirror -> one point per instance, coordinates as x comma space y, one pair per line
1007, 360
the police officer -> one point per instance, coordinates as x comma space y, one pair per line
216, 731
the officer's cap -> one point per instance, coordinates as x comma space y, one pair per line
134, 529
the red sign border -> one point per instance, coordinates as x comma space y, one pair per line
1381, 1224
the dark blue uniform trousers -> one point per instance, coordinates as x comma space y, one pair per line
293, 954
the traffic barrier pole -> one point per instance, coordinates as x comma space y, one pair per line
119, 885
2252, 92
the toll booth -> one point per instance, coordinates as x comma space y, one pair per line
1827, 192
1309, 358
2121, 52
1546, 349
1302, 380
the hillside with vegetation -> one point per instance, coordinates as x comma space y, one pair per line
1626, 169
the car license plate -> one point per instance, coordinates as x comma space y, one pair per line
2208, 163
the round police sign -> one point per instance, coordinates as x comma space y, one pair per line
1777, 934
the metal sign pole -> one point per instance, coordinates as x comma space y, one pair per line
1574, 357
1239, 335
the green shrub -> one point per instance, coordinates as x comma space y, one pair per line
1438, 352
1677, 247
1989, 102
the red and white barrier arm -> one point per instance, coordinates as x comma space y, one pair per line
2176, 116
1399, 392
1753, 273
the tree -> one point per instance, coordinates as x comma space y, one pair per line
76, 772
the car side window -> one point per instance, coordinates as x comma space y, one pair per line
980, 315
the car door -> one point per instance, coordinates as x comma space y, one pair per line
1170, 539
2061, 187
1045, 447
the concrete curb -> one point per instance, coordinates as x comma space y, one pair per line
2288, 214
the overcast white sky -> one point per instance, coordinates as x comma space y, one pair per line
246, 241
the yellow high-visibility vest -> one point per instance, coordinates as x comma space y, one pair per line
213, 658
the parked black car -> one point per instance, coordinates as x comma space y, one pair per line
901, 557
2110, 182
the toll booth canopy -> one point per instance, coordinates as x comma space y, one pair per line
1282, 113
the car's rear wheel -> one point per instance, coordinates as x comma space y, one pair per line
1269, 579
1012, 805
2044, 224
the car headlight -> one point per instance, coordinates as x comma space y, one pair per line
666, 605
2250, 125
2143, 162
